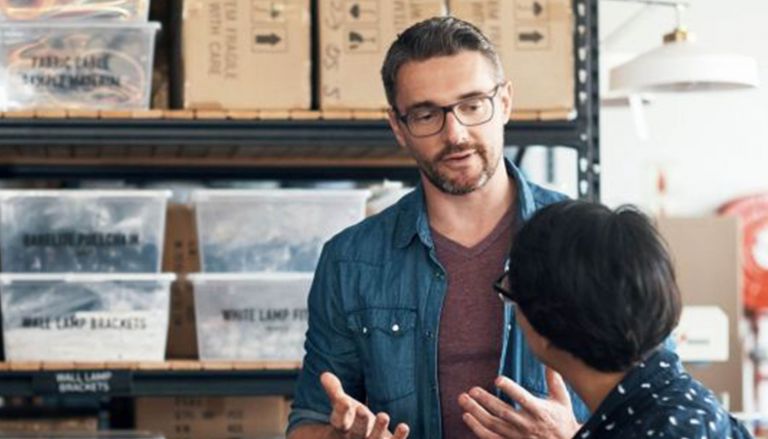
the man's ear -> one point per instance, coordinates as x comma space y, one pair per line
507, 95
397, 128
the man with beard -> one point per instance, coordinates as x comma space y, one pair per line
401, 316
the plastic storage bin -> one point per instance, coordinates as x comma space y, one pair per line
93, 65
112, 10
85, 317
256, 316
271, 230
82, 231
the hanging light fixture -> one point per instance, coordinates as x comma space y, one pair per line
681, 65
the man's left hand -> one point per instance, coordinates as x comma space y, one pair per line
491, 418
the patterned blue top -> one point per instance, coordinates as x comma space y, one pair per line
658, 399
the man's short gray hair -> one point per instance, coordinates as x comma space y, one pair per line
437, 36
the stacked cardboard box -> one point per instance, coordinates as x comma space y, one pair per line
181, 257
535, 41
243, 54
707, 263
354, 37
214, 418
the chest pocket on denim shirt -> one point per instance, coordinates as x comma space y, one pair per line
387, 340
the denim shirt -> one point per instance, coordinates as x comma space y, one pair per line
374, 310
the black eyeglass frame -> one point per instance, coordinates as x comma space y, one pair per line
504, 293
450, 109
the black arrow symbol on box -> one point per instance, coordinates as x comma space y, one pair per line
537, 8
534, 36
355, 37
270, 39
354, 11
274, 12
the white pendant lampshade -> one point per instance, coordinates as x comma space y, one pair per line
681, 65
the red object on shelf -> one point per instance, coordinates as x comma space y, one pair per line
753, 212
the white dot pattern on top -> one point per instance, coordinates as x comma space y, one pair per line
657, 399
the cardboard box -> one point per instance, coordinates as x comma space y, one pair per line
354, 37
213, 418
181, 256
707, 257
246, 54
535, 41
182, 332
161, 77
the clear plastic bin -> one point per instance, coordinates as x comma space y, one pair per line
256, 316
271, 230
85, 317
69, 65
82, 231
112, 10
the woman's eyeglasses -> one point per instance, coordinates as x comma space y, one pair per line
501, 286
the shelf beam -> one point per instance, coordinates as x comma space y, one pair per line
226, 133
162, 379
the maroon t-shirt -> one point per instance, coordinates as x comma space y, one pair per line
472, 320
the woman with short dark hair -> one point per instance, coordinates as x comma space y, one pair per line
596, 298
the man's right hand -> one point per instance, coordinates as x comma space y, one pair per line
351, 419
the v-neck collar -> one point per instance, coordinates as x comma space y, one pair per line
502, 226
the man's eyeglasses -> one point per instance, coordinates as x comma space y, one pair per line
501, 286
428, 120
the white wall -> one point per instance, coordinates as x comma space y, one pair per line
713, 146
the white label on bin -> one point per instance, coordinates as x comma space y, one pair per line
69, 239
115, 321
114, 335
253, 333
264, 315
96, 321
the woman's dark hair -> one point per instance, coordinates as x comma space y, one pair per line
437, 36
597, 283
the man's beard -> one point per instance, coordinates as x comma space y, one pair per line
443, 182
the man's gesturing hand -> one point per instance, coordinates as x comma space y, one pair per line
351, 419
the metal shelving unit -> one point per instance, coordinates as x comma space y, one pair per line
304, 148
171, 148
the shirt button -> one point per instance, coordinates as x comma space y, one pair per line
395, 327
428, 334
438, 275
365, 329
